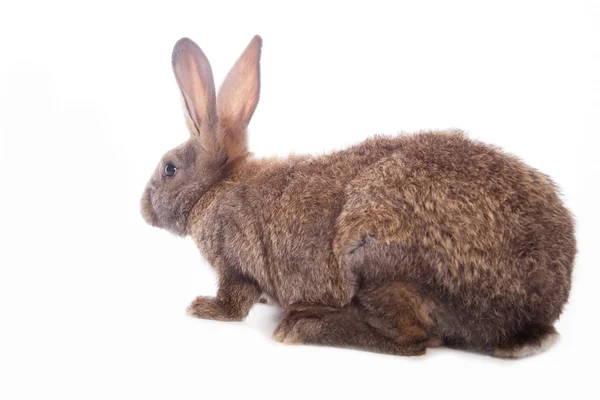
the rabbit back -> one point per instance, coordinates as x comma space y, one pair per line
481, 235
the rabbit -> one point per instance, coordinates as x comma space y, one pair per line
394, 245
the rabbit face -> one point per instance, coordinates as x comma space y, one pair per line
180, 179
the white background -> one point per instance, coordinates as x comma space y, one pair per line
92, 300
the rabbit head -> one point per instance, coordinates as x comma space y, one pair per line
217, 125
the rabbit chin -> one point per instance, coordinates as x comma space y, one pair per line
146, 208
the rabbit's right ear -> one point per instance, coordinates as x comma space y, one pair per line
194, 76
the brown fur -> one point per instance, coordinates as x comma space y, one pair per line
393, 245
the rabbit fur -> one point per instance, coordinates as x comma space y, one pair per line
393, 245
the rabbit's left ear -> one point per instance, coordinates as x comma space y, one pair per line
238, 96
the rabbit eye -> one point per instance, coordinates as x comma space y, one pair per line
170, 169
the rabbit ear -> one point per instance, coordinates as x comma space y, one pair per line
194, 76
238, 96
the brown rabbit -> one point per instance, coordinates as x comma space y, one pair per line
394, 245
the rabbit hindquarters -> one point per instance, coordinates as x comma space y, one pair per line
477, 232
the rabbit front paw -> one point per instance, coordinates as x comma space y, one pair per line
206, 307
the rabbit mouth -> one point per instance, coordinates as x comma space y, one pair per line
146, 208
